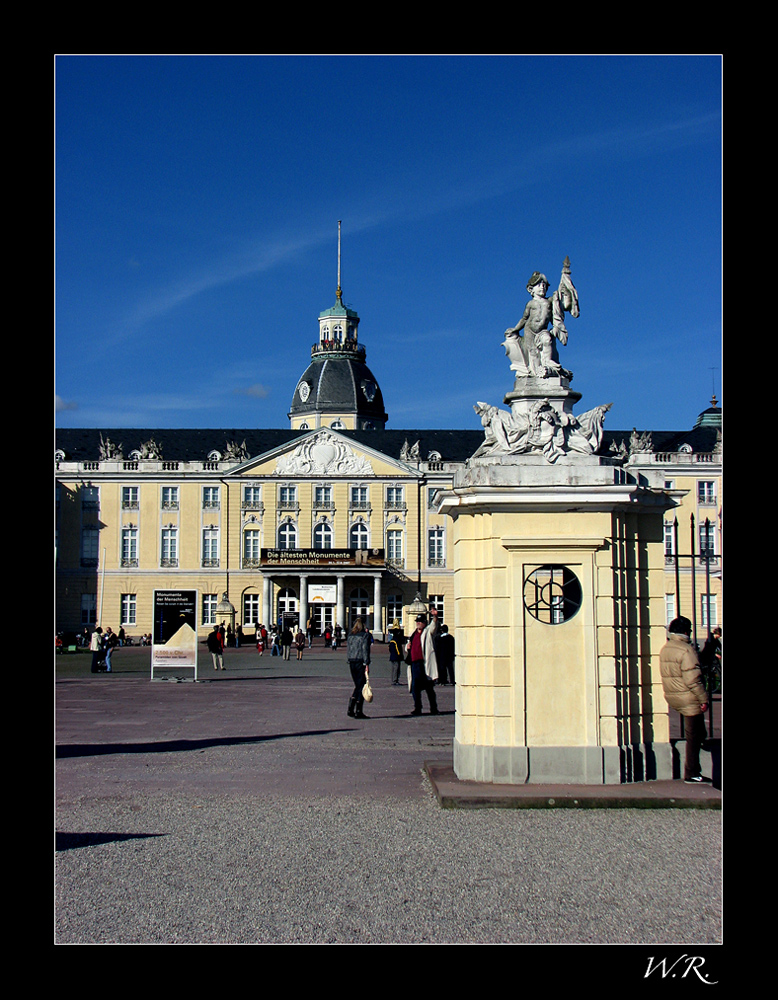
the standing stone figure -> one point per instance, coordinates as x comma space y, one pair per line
531, 345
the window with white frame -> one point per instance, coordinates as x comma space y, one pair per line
209, 608
287, 496
252, 497
669, 540
129, 545
395, 496
709, 610
436, 547
394, 609
252, 546
130, 497
394, 545
129, 607
322, 535
210, 547
669, 608
707, 537
252, 609
358, 536
170, 498
210, 497
169, 546
287, 536
437, 602
322, 497
706, 491
359, 495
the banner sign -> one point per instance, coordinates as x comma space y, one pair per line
303, 558
174, 636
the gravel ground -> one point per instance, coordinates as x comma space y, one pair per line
254, 869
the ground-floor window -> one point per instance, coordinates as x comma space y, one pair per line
89, 609
209, 609
437, 602
129, 609
358, 606
252, 610
394, 609
708, 604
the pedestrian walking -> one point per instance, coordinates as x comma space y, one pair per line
358, 652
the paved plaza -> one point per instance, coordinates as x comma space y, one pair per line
249, 808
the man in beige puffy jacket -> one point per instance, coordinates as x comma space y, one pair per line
685, 692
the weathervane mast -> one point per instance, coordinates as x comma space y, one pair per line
339, 292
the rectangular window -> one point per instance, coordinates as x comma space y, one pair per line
251, 545
707, 540
169, 547
90, 546
669, 540
90, 498
359, 495
89, 609
323, 496
130, 499
129, 608
437, 602
252, 497
252, 611
706, 491
395, 496
394, 546
287, 496
669, 608
209, 609
170, 498
210, 547
394, 609
210, 497
436, 547
130, 546
708, 602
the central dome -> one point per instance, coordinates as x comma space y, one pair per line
337, 389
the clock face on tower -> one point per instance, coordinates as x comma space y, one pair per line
305, 391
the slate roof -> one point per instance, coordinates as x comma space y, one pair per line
336, 385
193, 445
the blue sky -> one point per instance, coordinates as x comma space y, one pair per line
197, 208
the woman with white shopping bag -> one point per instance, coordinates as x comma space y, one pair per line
358, 651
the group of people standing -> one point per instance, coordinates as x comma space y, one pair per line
429, 654
101, 645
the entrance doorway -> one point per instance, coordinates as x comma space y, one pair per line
322, 615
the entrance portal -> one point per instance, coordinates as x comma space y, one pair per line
322, 615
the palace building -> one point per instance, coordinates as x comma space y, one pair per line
330, 519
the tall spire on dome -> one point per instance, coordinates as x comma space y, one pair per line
339, 290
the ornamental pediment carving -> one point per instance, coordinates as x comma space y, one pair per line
323, 454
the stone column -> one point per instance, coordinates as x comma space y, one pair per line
303, 601
267, 599
378, 625
340, 610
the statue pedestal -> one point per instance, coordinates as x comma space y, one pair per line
528, 391
559, 620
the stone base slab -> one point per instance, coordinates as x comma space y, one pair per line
577, 765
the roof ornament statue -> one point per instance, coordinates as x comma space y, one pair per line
531, 344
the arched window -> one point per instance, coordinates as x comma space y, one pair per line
287, 535
358, 536
322, 536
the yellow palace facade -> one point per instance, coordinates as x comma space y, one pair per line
329, 519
